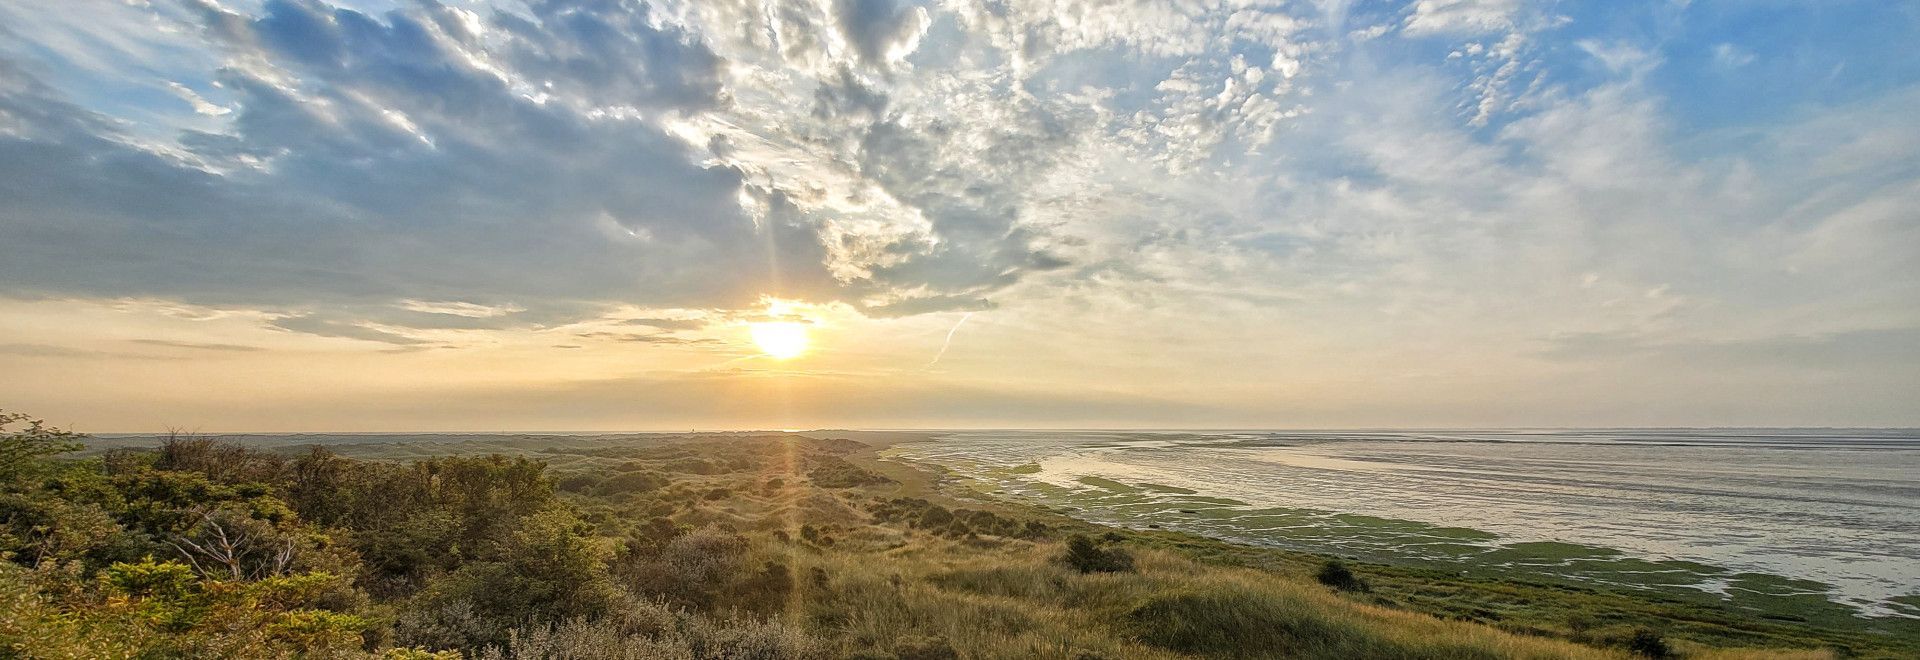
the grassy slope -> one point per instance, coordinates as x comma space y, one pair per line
892, 585
1520, 603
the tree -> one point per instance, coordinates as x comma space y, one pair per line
24, 440
229, 543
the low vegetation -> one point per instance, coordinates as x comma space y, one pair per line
740, 546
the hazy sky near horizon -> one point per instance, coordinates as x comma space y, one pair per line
568, 214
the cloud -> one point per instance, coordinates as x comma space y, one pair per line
1416, 190
437, 153
1461, 17
755, 401
43, 350
51, 351
199, 346
459, 308
628, 337
1731, 56
881, 32
928, 305
323, 327
667, 324
1895, 350
608, 53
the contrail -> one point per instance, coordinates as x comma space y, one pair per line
949, 341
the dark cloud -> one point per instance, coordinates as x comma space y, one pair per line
374, 160
972, 187
876, 28
845, 95
608, 53
515, 160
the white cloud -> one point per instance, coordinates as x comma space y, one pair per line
1245, 184
1461, 17
1731, 56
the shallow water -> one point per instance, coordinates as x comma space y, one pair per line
1725, 511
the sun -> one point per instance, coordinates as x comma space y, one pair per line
783, 340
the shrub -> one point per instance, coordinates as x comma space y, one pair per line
815, 536
1649, 644
632, 482
837, 473
767, 589
1224, 621
692, 570
450, 625
1087, 556
650, 630
577, 483
935, 517
1336, 574
221, 461
21, 448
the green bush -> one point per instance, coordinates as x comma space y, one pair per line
1086, 555
834, 472
1227, 622
24, 441
1649, 644
1335, 574
632, 482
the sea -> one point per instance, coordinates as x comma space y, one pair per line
1761, 516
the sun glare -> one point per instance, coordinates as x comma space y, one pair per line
782, 340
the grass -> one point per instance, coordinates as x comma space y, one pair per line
914, 563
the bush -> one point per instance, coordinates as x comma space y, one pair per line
578, 483
692, 570
452, 625
1224, 621
1087, 556
632, 482
649, 630
1336, 574
837, 473
1649, 644
21, 448
221, 461
935, 517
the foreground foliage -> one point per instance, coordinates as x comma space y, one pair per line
774, 546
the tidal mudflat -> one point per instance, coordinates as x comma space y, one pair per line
1809, 524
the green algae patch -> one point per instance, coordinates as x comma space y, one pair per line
1908, 605
1461, 534
1628, 571
1108, 484
1176, 490
1547, 552
1202, 499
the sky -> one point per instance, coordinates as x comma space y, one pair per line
574, 215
